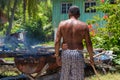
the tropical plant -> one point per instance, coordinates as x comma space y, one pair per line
108, 37
22, 12
10, 7
41, 28
109, 33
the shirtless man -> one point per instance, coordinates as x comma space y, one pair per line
73, 32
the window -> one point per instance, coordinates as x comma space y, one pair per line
88, 4
112, 1
65, 7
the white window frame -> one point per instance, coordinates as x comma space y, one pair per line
112, 1
66, 8
90, 5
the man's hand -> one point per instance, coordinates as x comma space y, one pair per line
64, 46
92, 60
58, 61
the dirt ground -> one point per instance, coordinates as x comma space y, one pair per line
11, 72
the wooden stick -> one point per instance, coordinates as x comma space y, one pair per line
95, 71
30, 77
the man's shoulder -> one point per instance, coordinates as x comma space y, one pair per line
64, 21
83, 24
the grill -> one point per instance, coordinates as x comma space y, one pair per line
41, 61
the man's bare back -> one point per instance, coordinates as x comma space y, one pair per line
73, 32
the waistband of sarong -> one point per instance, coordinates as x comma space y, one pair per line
73, 50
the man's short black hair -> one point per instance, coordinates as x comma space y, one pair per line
74, 11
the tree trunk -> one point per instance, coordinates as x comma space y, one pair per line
11, 18
8, 9
24, 10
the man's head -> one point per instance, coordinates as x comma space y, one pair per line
74, 11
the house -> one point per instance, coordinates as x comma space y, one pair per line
60, 10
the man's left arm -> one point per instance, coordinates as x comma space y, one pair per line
89, 44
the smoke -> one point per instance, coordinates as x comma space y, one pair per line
20, 42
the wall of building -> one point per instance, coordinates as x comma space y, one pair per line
58, 16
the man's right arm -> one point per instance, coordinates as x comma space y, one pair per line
57, 45
58, 40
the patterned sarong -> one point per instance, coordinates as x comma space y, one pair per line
72, 65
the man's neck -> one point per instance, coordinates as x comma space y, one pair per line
73, 17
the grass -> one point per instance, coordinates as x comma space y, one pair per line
9, 59
9, 73
108, 76
48, 44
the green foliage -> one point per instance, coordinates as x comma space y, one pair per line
32, 8
116, 59
41, 29
33, 16
108, 37
35, 31
45, 12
